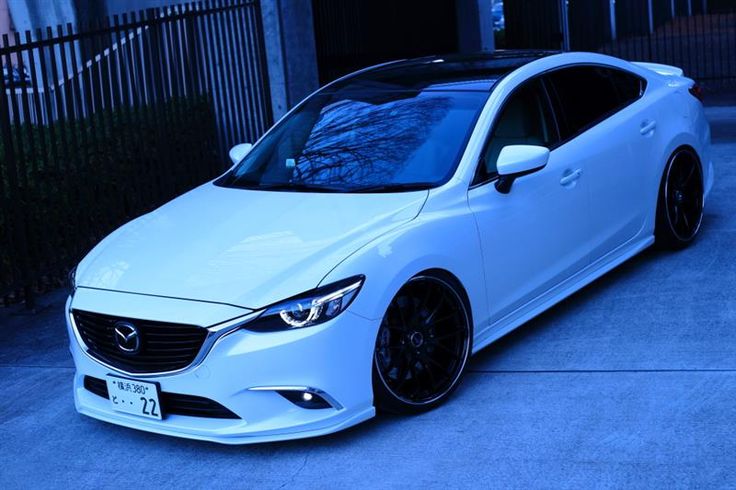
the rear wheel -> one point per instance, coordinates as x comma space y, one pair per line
423, 345
680, 204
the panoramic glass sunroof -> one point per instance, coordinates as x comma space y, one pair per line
453, 73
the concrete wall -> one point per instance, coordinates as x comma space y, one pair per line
290, 52
122, 6
475, 26
5, 22
31, 14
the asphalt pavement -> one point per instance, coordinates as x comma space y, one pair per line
629, 383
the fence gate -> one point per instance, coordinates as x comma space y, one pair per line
106, 121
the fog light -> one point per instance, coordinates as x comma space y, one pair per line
306, 399
303, 396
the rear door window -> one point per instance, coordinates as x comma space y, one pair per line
586, 95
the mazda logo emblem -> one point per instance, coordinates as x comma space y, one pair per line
127, 338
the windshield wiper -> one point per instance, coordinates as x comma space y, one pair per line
301, 187
295, 187
416, 186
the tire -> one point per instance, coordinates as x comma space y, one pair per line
680, 201
423, 345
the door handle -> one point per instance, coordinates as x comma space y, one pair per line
571, 177
648, 127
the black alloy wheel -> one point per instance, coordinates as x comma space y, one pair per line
423, 346
680, 205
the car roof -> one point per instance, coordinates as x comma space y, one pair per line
476, 72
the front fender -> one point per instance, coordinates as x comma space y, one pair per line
445, 240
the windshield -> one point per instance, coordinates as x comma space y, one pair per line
363, 140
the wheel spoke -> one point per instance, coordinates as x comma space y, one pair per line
447, 350
425, 302
395, 328
676, 211
402, 382
417, 385
435, 362
455, 327
437, 308
401, 314
402, 373
428, 371
445, 317
444, 336
689, 176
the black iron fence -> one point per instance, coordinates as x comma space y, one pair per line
697, 35
104, 122
704, 45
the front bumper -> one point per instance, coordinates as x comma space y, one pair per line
334, 357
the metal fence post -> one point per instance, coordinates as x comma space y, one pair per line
612, 17
565, 24
650, 16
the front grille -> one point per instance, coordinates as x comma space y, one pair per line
172, 403
163, 346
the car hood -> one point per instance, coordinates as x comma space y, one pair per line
242, 247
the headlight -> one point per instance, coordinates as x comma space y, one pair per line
311, 308
72, 281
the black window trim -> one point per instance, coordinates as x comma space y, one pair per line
644, 85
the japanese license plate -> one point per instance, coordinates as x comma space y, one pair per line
136, 397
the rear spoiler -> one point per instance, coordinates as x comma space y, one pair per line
666, 70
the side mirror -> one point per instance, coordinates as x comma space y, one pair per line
517, 160
238, 152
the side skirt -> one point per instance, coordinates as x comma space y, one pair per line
556, 294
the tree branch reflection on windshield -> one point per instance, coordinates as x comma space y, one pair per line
354, 140
364, 144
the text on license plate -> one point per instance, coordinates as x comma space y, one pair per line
136, 397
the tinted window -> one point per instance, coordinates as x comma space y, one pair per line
358, 139
585, 95
525, 119
628, 87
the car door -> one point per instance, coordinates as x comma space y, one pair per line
602, 131
534, 237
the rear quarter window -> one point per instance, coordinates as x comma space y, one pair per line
628, 87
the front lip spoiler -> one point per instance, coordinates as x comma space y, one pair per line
215, 333
345, 419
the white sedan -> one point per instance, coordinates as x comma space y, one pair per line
392, 224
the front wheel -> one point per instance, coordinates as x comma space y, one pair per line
680, 203
423, 346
